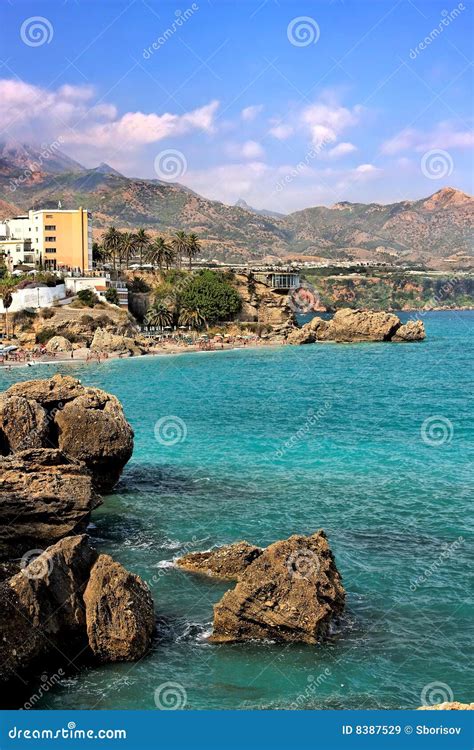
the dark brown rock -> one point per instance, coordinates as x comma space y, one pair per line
291, 592
41, 607
227, 562
119, 612
44, 496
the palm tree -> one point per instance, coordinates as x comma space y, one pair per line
193, 248
159, 252
180, 244
128, 244
142, 243
170, 256
193, 318
111, 242
159, 315
7, 299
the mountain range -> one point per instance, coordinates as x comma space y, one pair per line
430, 230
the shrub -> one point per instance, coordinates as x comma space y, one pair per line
86, 320
137, 285
24, 319
43, 336
88, 297
47, 313
111, 296
103, 320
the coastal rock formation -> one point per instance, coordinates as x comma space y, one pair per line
104, 341
448, 706
41, 608
43, 497
260, 303
414, 330
23, 424
59, 344
68, 599
355, 326
291, 592
87, 425
119, 612
227, 562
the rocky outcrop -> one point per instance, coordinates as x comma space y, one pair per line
44, 497
414, 330
104, 341
291, 592
59, 344
41, 607
86, 424
356, 326
227, 562
260, 303
448, 706
69, 601
119, 612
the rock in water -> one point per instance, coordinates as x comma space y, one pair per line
227, 562
362, 325
291, 592
44, 496
87, 424
119, 612
414, 330
41, 608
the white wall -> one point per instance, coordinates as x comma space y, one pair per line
40, 297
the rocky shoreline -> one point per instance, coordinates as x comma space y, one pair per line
62, 443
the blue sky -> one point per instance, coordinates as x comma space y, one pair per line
284, 104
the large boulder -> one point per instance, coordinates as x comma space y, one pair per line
414, 330
23, 424
104, 341
87, 424
119, 612
362, 325
41, 607
59, 344
291, 592
227, 562
44, 496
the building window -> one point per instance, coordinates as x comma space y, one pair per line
49, 216
50, 239
50, 227
50, 249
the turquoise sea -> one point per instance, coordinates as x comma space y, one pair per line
370, 442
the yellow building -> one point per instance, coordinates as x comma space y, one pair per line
62, 239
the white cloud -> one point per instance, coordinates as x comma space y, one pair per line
326, 121
444, 135
38, 114
342, 149
250, 113
367, 169
281, 131
247, 150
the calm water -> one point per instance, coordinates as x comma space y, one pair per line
392, 504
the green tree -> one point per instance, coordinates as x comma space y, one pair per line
193, 248
111, 240
7, 300
180, 243
142, 243
111, 296
159, 253
192, 318
210, 294
88, 297
128, 245
159, 315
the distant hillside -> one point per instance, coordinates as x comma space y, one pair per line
427, 230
